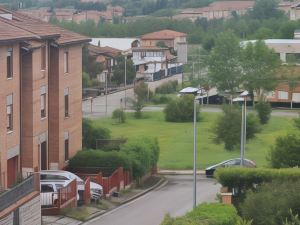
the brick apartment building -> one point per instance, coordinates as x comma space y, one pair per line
40, 95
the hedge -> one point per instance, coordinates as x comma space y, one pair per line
103, 160
246, 178
206, 214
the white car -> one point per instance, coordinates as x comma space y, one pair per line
61, 175
49, 190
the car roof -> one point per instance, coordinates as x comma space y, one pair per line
64, 182
59, 172
228, 160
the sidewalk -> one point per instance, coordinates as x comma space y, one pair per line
86, 213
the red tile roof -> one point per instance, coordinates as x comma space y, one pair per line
113, 52
162, 35
40, 29
12, 33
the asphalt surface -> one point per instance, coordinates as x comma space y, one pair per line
174, 198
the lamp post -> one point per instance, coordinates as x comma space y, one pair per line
191, 90
125, 82
243, 99
105, 93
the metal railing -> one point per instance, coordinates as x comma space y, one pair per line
19, 191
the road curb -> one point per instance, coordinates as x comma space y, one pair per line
163, 181
180, 172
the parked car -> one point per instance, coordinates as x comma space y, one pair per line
49, 192
61, 175
209, 171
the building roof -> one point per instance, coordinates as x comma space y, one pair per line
38, 29
112, 52
162, 35
221, 6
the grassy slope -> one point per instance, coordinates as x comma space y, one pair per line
176, 139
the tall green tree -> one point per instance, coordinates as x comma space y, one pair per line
224, 64
119, 71
265, 9
260, 66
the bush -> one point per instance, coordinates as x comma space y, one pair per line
144, 154
119, 115
167, 88
263, 110
181, 109
160, 99
206, 214
90, 134
228, 127
270, 203
286, 152
243, 179
101, 159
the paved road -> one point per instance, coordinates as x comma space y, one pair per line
174, 198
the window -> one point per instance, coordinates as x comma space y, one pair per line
66, 92
66, 62
43, 58
9, 112
46, 188
66, 146
43, 101
283, 95
9, 63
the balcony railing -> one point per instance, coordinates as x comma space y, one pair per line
19, 191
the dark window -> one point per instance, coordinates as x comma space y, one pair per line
66, 102
43, 105
66, 62
47, 188
44, 158
9, 63
43, 58
66, 149
9, 113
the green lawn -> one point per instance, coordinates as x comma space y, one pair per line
176, 139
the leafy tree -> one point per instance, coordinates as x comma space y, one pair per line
264, 9
181, 109
286, 152
141, 96
86, 81
119, 71
260, 65
227, 128
90, 66
90, 134
263, 110
224, 67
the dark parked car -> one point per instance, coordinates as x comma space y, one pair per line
209, 171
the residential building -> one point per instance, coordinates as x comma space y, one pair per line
295, 11
217, 10
40, 94
155, 63
175, 41
107, 57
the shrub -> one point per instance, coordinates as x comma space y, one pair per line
227, 128
286, 152
119, 115
181, 109
206, 214
100, 159
90, 134
144, 153
167, 88
270, 203
263, 110
160, 99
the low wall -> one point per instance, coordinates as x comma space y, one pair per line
154, 84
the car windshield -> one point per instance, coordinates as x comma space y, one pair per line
53, 177
47, 188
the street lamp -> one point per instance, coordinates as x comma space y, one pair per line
243, 99
125, 82
194, 91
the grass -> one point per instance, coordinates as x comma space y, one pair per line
78, 213
176, 139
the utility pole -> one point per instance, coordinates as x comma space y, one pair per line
125, 82
105, 93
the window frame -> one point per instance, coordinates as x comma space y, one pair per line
66, 103
43, 58
66, 61
9, 116
9, 63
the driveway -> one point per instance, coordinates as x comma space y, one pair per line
174, 198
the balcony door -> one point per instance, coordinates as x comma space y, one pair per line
12, 171
43, 156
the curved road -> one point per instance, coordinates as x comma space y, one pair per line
174, 198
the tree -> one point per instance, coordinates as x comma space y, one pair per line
119, 71
89, 64
119, 115
260, 65
141, 95
263, 110
224, 67
265, 9
227, 128
286, 152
